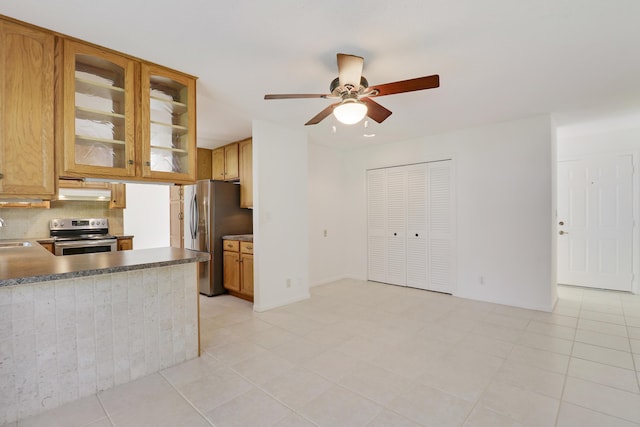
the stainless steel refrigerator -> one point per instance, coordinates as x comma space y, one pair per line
212, 210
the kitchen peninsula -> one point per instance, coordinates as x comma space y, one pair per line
71, 326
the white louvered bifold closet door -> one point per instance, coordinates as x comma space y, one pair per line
376, 225
417, 266
396, 226
409, 225
440, 226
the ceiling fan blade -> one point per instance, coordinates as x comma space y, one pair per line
322, 115
350, 70
376, 111
420, 83
297, 95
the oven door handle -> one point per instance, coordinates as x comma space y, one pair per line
78, 243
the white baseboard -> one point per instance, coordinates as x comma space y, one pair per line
335, 279
261, 308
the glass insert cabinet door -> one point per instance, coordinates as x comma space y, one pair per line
168, 123
99, 88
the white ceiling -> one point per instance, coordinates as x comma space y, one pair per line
497, 59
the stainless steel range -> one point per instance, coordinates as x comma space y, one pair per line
74, 236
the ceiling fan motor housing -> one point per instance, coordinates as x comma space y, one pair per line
338, 90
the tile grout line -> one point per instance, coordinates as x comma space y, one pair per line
207, 420
566, 373
105, 410
633, 359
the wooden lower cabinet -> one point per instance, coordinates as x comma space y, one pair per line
246, 274
125, 244
237, 267
48, 246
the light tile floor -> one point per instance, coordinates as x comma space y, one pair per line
367, 354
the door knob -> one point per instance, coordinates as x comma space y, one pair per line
561, 223
563, 232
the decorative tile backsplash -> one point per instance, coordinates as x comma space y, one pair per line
34, 223
66, 339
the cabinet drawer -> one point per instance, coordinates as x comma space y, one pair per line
246, 247
231, 245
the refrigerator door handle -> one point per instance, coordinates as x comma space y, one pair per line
206, 218
193, 223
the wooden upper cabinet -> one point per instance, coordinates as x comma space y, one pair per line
168, 123
124, 118
246, 172
26, 112
118, 196
231, 172
98, 121
217, 164
204, 163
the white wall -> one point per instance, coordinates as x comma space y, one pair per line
146, 216
280, 215
503, 179
326, 212
598, 141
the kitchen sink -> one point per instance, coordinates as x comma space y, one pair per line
21, 244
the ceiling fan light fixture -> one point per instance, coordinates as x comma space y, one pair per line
350, 111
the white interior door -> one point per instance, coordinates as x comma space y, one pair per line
595, 222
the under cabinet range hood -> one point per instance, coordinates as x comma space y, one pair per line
84, 194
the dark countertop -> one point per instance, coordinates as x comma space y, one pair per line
36, 264
239, 237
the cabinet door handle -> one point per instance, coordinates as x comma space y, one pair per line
130, 162
1, 176
147, 163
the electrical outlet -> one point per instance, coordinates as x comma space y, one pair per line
288, 283
481, 280
325, 233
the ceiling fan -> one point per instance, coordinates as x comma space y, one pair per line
355, 94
